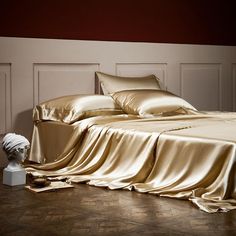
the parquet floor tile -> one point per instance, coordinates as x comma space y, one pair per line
86, 210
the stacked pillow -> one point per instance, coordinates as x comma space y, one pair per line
69, 109
149, 103
141, 96
111, 83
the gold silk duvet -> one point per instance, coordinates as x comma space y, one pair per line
190, 156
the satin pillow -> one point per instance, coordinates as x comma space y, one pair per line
149, 103
69, 109
111, 83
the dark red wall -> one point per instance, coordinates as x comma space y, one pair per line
162, 21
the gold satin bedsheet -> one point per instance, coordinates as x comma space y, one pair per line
186, 156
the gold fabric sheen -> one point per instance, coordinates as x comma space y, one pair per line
111, 83
186, 156
148, 103
69, 109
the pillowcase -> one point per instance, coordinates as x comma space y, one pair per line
69, 109
111, 84
149, 103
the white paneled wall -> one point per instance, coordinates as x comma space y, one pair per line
201, 80
5, 97
35, 70
234, 85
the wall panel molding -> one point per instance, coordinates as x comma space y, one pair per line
234, 85
201, 85
5, 98
142, 69
59, 79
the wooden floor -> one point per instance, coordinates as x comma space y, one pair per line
86, 210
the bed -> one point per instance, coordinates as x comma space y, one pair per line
138, 137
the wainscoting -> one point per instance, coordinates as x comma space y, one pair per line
35, 70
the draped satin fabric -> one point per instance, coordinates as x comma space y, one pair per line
186, 156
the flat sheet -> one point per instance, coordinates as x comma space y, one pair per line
187, 157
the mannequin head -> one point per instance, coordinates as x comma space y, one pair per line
15, 147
